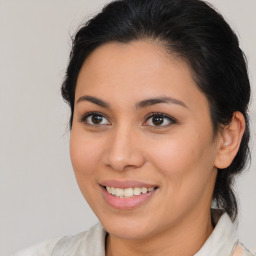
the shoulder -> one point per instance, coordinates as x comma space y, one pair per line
224, 239
42, 249
91, 242
241, 250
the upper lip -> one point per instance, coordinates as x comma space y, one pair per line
126, 184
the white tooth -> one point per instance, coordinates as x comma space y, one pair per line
119, 192
137, 191
144, 190
128, 192
112, 191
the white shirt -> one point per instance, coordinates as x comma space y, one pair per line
222, 242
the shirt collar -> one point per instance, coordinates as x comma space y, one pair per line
221, 242
223, 239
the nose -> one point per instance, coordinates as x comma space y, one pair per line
124, 150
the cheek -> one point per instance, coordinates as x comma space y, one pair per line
172, 156
84, 154
186, 171
184, 161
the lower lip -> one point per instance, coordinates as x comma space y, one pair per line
126, 203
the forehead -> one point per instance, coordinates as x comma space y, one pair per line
139, 69
137, 55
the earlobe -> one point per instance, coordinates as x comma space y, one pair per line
229, 141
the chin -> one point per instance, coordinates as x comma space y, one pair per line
128, 229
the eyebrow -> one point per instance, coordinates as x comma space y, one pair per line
94, 100
141, 104
153, 101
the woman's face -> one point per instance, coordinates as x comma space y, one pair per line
142, 144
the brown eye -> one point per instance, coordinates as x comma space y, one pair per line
159, 120
95, 119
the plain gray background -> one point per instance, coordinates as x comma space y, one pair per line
39, 198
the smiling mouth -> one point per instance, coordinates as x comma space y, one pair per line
128, 192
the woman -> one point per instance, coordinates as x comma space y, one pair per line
158, 91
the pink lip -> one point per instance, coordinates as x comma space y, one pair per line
126, 203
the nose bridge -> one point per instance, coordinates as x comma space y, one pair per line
124, 150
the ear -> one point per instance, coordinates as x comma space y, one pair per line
229, 140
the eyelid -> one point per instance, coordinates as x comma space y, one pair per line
171, 119
88, 114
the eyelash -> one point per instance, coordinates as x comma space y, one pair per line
171, 120
84, 118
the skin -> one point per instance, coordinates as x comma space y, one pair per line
180, 157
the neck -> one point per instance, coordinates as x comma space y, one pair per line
184, 239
